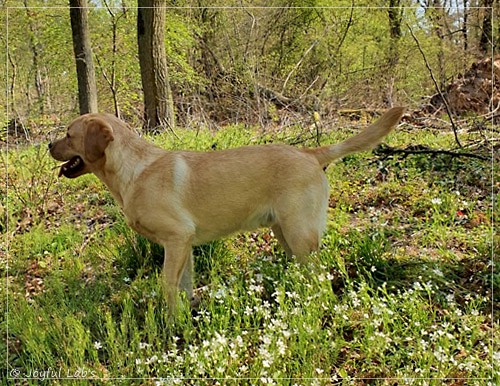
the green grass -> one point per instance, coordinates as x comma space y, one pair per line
402, 293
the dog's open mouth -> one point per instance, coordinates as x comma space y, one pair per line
72, 168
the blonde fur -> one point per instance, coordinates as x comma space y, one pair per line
182, 198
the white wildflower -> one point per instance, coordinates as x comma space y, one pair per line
219, 294
437, 272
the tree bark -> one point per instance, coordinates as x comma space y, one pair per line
87, 90
486, 40
158, 101
41, 78
465, 25
437, 14
395, 14
395, 17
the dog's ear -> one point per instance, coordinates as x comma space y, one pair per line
97, 137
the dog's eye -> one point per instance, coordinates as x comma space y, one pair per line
68, 136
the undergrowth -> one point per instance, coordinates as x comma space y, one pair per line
401, 292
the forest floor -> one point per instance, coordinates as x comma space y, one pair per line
406, 291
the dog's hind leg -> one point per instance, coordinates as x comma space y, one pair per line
186, 283
177, 270
302, 241
301, 221
301, 234
278, 233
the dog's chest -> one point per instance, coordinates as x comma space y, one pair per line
143, 230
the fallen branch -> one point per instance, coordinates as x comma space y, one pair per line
274, 96
387, 151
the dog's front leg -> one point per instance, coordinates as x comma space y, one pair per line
177, 270
186, 284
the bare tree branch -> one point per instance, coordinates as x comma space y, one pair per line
436, 85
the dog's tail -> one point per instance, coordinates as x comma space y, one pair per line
366, 140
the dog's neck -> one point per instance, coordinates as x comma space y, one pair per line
122, 168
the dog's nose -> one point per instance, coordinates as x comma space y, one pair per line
50, 145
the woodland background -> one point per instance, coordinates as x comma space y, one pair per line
266, 63
409, 282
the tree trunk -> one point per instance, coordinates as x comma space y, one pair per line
40, 72
87, 90
486, 40
395, 14
437, 15
465, 26
158, 101
111, 79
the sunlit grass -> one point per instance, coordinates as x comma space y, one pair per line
400, 292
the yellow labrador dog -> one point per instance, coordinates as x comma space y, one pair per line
184, 198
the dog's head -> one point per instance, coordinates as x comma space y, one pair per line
83, 146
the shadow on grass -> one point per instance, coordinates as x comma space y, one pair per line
366, 258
